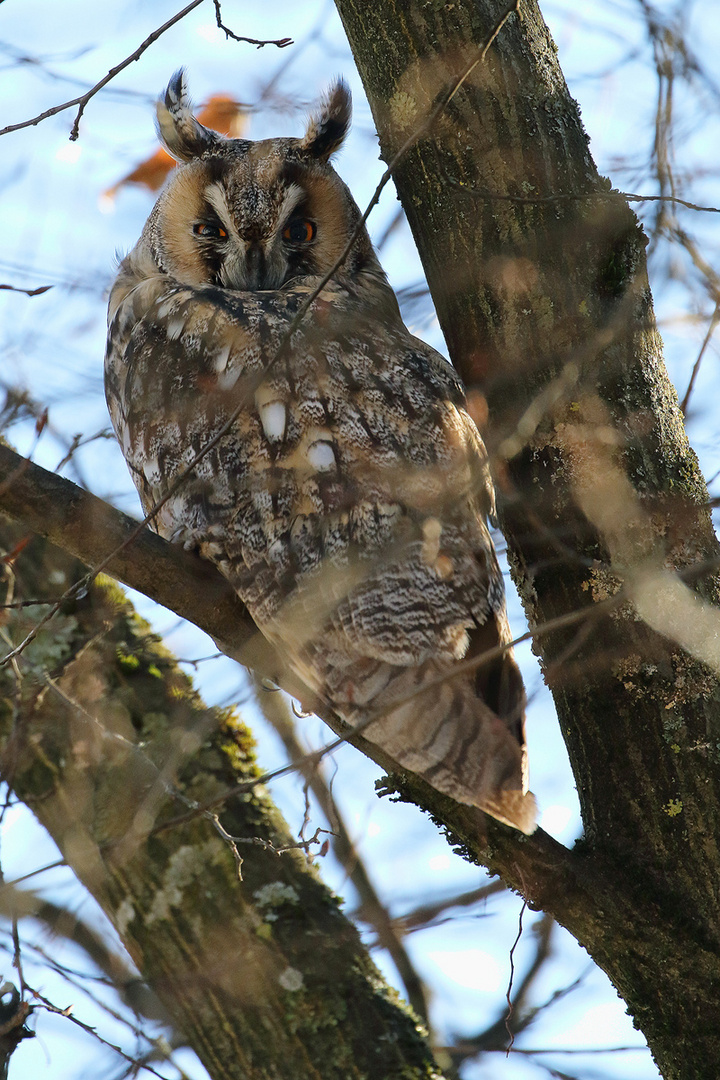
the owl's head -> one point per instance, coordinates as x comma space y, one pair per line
255, 215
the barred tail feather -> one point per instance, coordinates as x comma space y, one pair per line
434, 723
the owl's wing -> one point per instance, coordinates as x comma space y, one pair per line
344, 497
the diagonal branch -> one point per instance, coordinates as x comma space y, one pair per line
565, 884
88, 528
83, 100
229, 960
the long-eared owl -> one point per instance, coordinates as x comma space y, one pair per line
347, 500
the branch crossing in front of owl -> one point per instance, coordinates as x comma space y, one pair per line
347, 494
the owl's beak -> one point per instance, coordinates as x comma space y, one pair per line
255, 267
250, 269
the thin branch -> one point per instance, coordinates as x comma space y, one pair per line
67, 1013
257, 841
511, 1007
33, 873
28, 292
578, 1050
426, 914
629, 196
281, 43
696, 366
495, 1036
85, 98
372, 910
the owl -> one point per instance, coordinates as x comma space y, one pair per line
334, 475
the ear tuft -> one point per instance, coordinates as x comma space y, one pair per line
329, 125
180, 133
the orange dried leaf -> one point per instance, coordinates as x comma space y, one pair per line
221, 113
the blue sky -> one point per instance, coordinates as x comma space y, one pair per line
55, 232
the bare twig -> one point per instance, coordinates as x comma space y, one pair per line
568, 196
17, 952
33, 873
511, 1007
45, 1003
426, 914
281, 43
372, 910
668, 199
696, 365
85, 98
577, 1050
28, 292
257, 841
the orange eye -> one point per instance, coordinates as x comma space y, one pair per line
209, 230
299, 231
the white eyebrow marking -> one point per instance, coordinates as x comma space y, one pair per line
216, 197
293, 196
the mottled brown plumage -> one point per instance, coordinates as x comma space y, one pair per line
347, 503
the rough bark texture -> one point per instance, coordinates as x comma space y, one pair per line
97, 534
104, 738
538, 275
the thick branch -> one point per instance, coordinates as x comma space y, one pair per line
91, 530
541, 290
256, 974
538, 867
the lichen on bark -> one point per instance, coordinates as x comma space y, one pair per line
537, 270
107, 741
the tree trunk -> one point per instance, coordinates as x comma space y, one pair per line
538, 275
106, 741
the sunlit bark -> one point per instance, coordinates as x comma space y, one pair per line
106, 741
538, 275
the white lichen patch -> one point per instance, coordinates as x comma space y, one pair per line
291, 979
187, 864
602, 583
403, 110
47, 651
273, 895
124, 916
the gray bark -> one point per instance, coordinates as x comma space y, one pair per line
538, 275
104, 738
